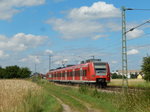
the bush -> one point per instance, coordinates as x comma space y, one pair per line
116, 76
14, 72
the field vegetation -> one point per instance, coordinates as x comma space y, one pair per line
42, 96
79, 98
131, 82
25, 96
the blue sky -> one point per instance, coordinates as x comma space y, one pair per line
70, 31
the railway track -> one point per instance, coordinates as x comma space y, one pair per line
121, 89
108, 88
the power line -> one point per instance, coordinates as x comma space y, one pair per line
148, 21
137, 9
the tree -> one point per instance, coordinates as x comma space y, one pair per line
2, 72
133, 76
146, 68
116, 76
24, 72
14, 72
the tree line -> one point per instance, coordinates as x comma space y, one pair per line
14, 72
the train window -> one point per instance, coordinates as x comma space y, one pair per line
63, 74
71, 73
77, 73
100, 68
68, 73
84, 73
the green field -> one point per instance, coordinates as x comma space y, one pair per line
131, 82
84, 98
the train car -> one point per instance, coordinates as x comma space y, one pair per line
91, 71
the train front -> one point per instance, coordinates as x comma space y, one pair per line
101, 72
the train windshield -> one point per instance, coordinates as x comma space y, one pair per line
100, 68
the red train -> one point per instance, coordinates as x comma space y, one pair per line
92, 71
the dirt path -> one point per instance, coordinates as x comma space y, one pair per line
87, 105
66, 108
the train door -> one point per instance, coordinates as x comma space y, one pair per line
65, 75
73, 74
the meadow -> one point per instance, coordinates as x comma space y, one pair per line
79, 98
131, 82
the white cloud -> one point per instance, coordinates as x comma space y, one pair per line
96, 11
48, 52
10, 7
3, 55
76, 29
135, 34
98, 36
87, 21
114, 62
132, 52
30, 59
21, 42
65, 60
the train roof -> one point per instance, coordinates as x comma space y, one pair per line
82, 64
91, 60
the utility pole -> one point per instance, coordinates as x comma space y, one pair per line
124, 46
124, 52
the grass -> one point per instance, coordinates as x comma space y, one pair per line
60, 93
25, 96
75, 98
132, 83
136, 101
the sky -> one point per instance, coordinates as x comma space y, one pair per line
71, 31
